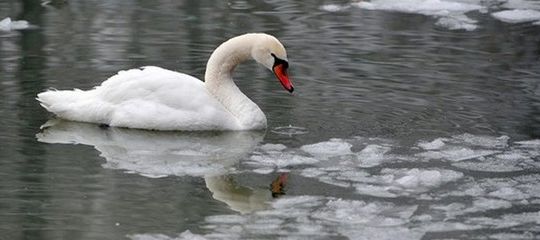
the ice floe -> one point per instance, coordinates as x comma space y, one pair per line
334, 7
404, 182
312, 216
433, 145
452, 14
373, 152
339, 162
324, 150
389, 190
517, 16
318, 217
462, 147
8, 25
426, 7
519, 190
187, 235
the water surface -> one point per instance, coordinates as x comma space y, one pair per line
409, 130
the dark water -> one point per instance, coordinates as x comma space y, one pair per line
372, 88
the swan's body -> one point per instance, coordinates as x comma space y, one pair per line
159, 99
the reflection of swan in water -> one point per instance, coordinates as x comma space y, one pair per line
239, 198
243, 199
160, 154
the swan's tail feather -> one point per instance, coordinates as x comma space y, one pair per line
76, 105
57, 102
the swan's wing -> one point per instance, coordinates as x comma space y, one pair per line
149, 98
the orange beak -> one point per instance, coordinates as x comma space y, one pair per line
280, 70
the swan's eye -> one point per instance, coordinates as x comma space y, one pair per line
279, 61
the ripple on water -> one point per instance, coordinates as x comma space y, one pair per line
290, 130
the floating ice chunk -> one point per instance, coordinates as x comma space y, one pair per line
184, 152
505, 162
517, 15
521, 4
416, 178
509, 194
298, 201
511, 156
226, 219
187, 235
487, 166
506, 236
307, 229
375, 190
149, 237
508, 220
264, 225
148, 175
333, 181
433, 145
325, 150
529, 185
460, 22
372, 155
275, 155
273, 147
387, 233
425, 7
483, 204
334, 7
359, 212
516, 189
312, 172
281, 160
451, 14
472, 191
450, 210
447, 226
456, 154
7, 24
481, 141
263, 170
530, 143
403, 182
463, 147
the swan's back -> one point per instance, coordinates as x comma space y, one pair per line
148, 98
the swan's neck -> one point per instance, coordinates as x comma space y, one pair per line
219, 82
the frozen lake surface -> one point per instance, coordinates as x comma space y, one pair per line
414, 119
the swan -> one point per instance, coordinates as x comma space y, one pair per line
158, 99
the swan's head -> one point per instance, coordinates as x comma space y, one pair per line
269, 52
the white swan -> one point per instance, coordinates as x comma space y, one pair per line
159, 99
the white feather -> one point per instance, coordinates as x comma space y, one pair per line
159, 99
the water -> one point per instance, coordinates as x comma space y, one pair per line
399, 128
